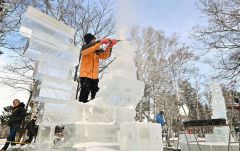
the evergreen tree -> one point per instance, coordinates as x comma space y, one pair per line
189, 98
7, 111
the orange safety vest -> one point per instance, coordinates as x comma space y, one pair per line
90, 60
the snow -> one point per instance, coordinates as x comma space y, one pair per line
2, 142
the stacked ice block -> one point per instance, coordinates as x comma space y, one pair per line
51, 47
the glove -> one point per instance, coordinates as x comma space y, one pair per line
105, 41
113, 42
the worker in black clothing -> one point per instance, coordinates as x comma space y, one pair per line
14, 122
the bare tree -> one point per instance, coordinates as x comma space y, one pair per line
10, 17
221, 35
83, 15
161, 64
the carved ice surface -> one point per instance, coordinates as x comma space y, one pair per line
137, 136
220, 134
120, 86
218, 103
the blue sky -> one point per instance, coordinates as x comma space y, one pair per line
171, 16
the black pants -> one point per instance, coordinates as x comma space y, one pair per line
11, 136
32, 133
88, 85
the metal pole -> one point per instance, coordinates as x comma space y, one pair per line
230, 125
187, 140
196, 140
239, 130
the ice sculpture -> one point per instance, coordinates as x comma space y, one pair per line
91, 126
218, 103
221, 134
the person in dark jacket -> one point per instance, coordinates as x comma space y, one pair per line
14, 122
91, 53
32, 130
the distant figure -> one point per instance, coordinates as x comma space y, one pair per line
32, 130
14, 122
91, 53
160, 118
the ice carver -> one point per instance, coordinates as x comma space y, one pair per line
15, 121
91, 53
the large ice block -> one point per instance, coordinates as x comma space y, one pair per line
58, 114
83, 113
35, 19
83, 133
222, 134
101, 114
55, 94
53, 70
98, 132
184, 138
191, 147
59, 84
67, 53
96, 146
121, 91
124, 114
45, 137
54, 42
136, 136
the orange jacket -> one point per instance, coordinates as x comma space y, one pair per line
90, 59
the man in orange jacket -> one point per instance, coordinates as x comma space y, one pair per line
91, 53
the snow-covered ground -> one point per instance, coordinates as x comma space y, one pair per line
2, 142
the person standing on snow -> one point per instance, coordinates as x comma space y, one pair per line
91, 53
14, 122
160, 118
